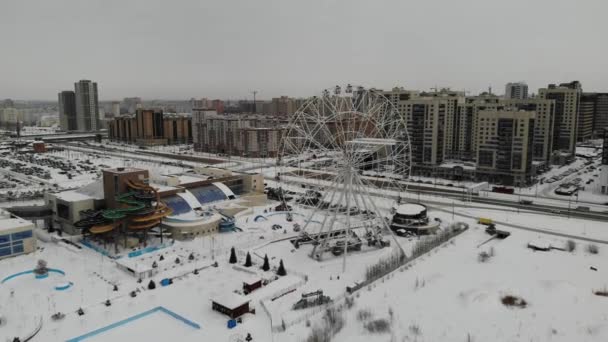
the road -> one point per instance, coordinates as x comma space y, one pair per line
458, 195
439, 205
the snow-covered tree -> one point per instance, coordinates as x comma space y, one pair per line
233, 259
281, 271
248, 260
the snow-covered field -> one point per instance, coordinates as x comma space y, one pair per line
451, 296
446, 295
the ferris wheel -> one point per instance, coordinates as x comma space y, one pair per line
350, 150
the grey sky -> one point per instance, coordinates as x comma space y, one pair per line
226, 48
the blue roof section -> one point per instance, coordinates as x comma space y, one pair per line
208, 193
178, 204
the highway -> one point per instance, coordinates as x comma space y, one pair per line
441, 206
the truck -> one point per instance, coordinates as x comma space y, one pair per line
485, 221
503, 190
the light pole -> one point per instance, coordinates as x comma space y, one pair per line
254, 103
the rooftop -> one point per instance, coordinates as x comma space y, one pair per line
410, 209
73, 196
231, 300
14, 223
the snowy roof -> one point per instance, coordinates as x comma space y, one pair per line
185, 179
136, 264
73, 196
231, 300
12, 223
252, 279
94, 190
540, 244
410, 209
226, 190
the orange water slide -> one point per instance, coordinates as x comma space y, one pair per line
148, 221
104, 228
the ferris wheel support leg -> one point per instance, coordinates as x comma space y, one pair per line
388, 228
317, 209
323, 243
347, 236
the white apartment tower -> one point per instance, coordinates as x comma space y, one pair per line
517, 90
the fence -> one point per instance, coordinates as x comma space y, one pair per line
421, 248
280, 325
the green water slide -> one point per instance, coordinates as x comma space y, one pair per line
120, 213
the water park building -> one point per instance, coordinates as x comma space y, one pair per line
16, 235
180, 205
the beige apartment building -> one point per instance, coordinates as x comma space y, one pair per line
567, 102
238, 135
504, 153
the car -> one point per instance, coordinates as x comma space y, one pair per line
402, 232
526, 202
555, 211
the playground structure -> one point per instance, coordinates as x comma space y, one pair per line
310, 299
134, 213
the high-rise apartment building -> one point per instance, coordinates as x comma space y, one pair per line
603, 178
67, 110
468, 116
10, 117
87, 106
517, 90
131, 104
503, 151
115, 109
454, 136
543, 124
567, 102
425, 118
598, 104
600, 118
218, 106
283, 106
238, 135
585, 117
151, 127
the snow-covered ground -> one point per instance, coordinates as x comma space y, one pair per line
456, 294
451, 296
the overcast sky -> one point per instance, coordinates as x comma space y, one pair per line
227, 48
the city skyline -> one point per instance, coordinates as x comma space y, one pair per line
193, 49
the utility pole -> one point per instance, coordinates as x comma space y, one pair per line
452, 210
254, 103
